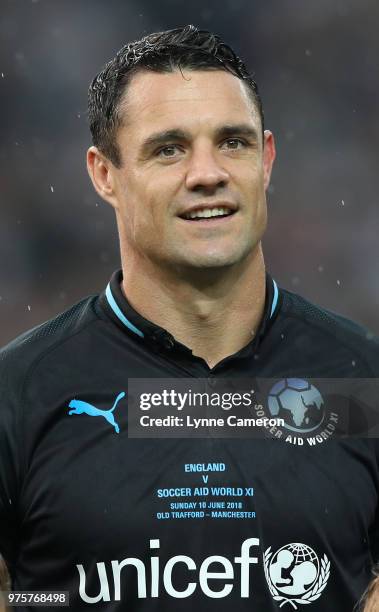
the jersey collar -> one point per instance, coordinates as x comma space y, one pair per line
118, 308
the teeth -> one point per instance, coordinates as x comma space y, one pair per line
205, 213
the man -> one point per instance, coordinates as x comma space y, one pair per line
212, 523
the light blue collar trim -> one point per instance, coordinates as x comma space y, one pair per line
129, 325
118, 313
275, 299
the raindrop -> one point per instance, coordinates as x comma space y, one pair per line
338, 282
308, 52
282, 336
2, 75
29, 308
51, 189
343, 202
320, 268
353, 363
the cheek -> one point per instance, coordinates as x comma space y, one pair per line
158, 201
147, 213
250, 175
134, 198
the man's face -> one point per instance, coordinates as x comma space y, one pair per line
191, 147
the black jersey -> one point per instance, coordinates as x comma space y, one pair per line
206, 524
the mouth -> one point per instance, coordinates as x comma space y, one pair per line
205, 214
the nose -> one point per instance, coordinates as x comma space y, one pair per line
205, 172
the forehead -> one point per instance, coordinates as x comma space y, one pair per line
190, 99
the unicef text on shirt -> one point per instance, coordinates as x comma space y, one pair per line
150, 587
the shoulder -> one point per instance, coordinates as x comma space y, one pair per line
17, 361
21, 353
332, 331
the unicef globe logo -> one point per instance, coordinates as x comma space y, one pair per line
294, 574
298, 403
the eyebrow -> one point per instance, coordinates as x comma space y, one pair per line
160, 138
239, 129
226, 131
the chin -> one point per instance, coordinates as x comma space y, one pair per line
214, 261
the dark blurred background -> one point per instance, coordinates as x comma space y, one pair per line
317, 66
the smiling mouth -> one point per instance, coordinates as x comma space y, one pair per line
208, 214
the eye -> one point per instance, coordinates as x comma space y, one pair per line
168, 151
234, 144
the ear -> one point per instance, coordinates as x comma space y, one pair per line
269, 154
102, 174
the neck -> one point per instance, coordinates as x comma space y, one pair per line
196, 309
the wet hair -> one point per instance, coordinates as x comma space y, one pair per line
182, 48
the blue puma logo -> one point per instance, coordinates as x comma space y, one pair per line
80, 407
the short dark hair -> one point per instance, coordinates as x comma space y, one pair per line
182, 48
